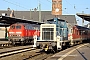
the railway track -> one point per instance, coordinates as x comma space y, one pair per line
4, 44
23, 49
15, 50
38, 56
43, 56
9, 45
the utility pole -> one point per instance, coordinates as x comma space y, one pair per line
30, 13
39, 11
83, 19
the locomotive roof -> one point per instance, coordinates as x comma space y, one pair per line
82, 28
58, 19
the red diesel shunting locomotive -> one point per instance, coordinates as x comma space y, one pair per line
23, 32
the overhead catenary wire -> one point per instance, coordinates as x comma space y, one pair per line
49, 1
74, 7
16, 4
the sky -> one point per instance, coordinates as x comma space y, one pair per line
69, 7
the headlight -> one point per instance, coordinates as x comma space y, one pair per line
10, 35
18, 35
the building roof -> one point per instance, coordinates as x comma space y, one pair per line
45, 15
84, 16
11, 20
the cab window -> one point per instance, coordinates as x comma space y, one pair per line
12, 27
18, 27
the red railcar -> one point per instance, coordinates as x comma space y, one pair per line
23, 32
79, 34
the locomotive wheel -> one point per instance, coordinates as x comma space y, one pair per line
9, 42
13, 43
55, 49
40, 46
81, 41
22, 43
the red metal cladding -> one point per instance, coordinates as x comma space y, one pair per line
76, 34
22, 31
80, 33
14, 31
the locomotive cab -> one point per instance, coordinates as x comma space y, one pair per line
15, 33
